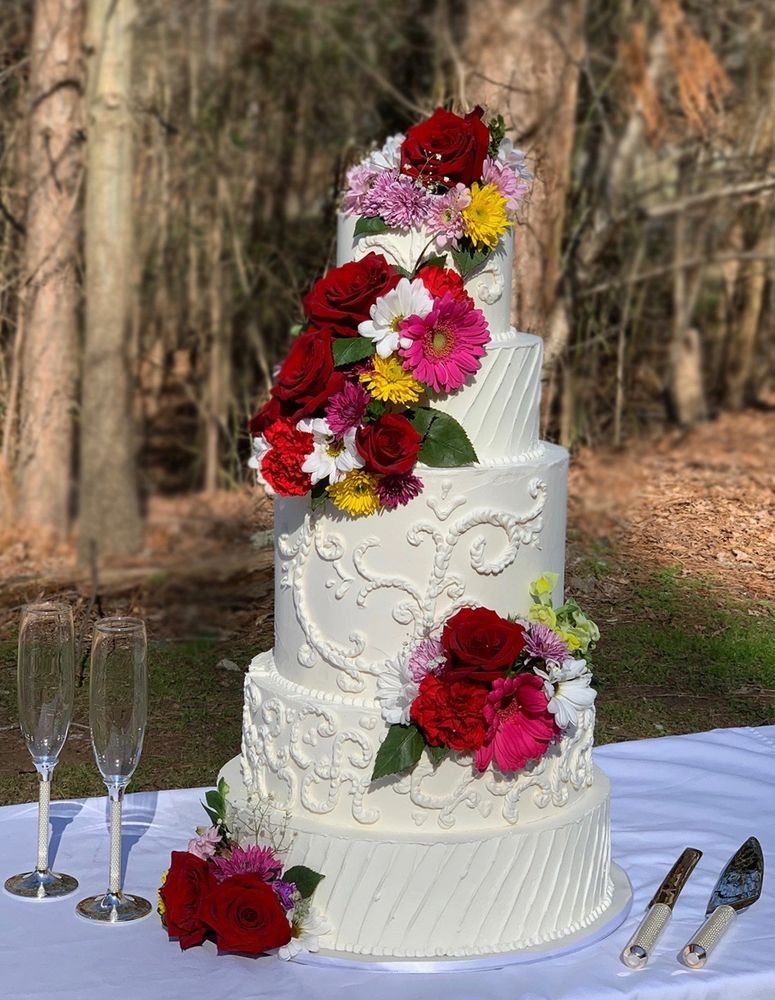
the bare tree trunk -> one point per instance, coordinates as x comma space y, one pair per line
523, 59
109, 510
742, 357
48, 345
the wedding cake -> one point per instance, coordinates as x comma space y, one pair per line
425, 719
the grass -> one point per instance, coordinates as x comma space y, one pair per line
677, 656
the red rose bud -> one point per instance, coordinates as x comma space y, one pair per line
246, 915
440, 280
450, 712
189, 880
268, 414
307, 377
389, 445
480, 645
446, 149
343, 297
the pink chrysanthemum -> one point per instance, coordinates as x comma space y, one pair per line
287, 893
443, 348
398, 200
396, 491
426, 658
445, 215
541, 643
360, 181
347, 407
520, 725
252, 860
507, 182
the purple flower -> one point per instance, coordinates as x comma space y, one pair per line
360, 181
203, 846
509, 185
398, 200
253, 860
445, 215
287, 893
347, 407
426, 658
541, 643
396, 491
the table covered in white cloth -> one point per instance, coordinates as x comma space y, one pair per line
710, 791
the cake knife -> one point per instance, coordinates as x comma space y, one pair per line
739, 885
660, 909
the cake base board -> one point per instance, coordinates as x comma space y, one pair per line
607, 923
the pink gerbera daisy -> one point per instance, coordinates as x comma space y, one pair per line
252, 860
443, 348
520, 725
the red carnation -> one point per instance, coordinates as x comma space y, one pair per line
450, 712
281, 465
389, 445
246, 915
446, 149
439, 280
189, 880
343, 297
480, 645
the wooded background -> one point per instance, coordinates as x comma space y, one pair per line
168, 186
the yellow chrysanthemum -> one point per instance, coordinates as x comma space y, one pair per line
485, 216
161, 908
389, 381
356, 494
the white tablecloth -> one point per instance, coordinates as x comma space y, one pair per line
709, 791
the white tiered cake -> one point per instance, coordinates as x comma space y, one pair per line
444, 861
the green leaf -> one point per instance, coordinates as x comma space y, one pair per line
375, 409
445, 443
215, 819
215, 801
370, 225
223, 788
305, 880
437, 260
403, 271
349, 349
318, 495
468, 259
437, 754
497, 127
400, 751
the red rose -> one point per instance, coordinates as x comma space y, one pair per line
439, 280
307, 377
189, 880
246, 915
480, 645
389, 445
268, 414
281, 466
449, 712
446, 149
341, 299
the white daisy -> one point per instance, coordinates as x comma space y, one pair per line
389, 157
396, 690
567, 686
309, 926
332, 456
514, 158
408, 298
260, 446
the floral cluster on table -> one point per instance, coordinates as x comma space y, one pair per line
500, 689
239, 894
350, 414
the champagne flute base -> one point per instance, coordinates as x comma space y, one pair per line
113, 908
41, 885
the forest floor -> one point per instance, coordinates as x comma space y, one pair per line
671, 548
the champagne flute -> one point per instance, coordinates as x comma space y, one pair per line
117, 713
45, 686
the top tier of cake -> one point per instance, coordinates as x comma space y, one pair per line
499, 405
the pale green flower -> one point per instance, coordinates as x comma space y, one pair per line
570, 639
541, 589
543, 614
585, 630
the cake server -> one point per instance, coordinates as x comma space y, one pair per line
739, 885
660, 909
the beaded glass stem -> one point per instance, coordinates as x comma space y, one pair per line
117, 714
45, 684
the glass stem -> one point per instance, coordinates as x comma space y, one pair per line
116, 800
44, 797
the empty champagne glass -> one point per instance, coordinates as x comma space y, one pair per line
45, 685
117, 713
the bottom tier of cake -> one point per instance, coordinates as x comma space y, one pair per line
418, 894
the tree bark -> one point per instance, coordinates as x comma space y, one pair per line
522, 60
48, 342
110, 521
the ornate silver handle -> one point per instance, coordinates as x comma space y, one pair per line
640, 945
696, 952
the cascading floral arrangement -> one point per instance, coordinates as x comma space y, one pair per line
243, 897
350, 414
498, 688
